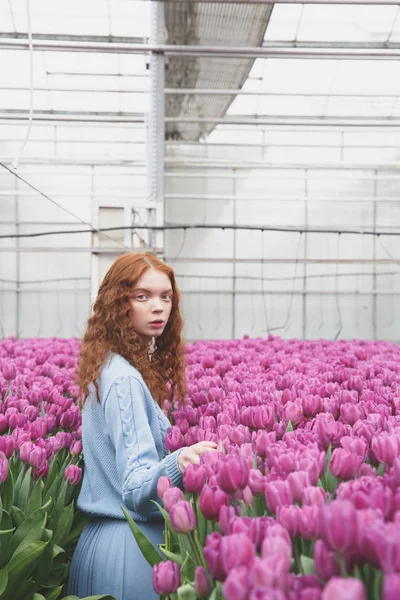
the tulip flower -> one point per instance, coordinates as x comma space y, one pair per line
345, 465
194, 478
339, 525
166, 577
163, 484
338, 588
237, 584
202, 583
325, 562
3, 467
233, 475
171, 496
173, 440
182, 517
211, 500
73, 474
391, 586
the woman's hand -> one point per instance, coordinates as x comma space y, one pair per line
191, 454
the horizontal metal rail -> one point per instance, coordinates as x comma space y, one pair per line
329, 53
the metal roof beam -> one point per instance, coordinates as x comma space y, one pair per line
361, 53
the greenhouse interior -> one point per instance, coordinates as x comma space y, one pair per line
249, 153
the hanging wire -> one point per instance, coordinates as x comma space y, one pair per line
15, 162
92, 229
181, 246
339, 314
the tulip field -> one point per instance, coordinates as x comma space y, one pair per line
301, 500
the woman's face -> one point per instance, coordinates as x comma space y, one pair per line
151, 304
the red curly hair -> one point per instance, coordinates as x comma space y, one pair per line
109, 329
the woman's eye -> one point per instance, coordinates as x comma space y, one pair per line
141, 297
167, 297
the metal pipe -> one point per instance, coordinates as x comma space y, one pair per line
382, 53
340, 2
157, 125
222, 292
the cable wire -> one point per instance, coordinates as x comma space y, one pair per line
91, 230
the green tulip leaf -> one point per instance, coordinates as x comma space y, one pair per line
35, 500
146, 547
171, 555
55, 594
186, 592
3, 580
31, 530
8, 492
22, 564
64, 524
307, 564
17, 515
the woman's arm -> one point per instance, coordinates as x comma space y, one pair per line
138, 464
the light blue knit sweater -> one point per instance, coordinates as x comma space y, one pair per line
124, 446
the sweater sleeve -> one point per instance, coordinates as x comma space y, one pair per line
138, 464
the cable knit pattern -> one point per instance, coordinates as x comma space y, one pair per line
124, 446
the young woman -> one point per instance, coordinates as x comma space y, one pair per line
132, 358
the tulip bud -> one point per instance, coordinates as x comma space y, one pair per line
237, 584
339, 528
338, 588
73, 474
345, 465
37, 457
194, 478
182, 517
3, 467
9, 371
233, 474
325, 562
211, 500
163, 484
277, 493
75, 448
174, 440
391, 586
202, 583
166, 577
386, 447
171, 496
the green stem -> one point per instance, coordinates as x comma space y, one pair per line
342, 564
200, 549
297, 561
194, 548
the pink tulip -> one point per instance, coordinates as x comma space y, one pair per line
325, 562
391, 586
386, 448
277, 493
202, 583
339, 528
3, 467
171, 496
164, 484
9, 371
236, 586
166, 577
182, 516
211, 500
236, 550
345, 465
194, 478
37, 457
344, 589
233, 474
73, 474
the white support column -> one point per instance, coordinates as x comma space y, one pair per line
156, 130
